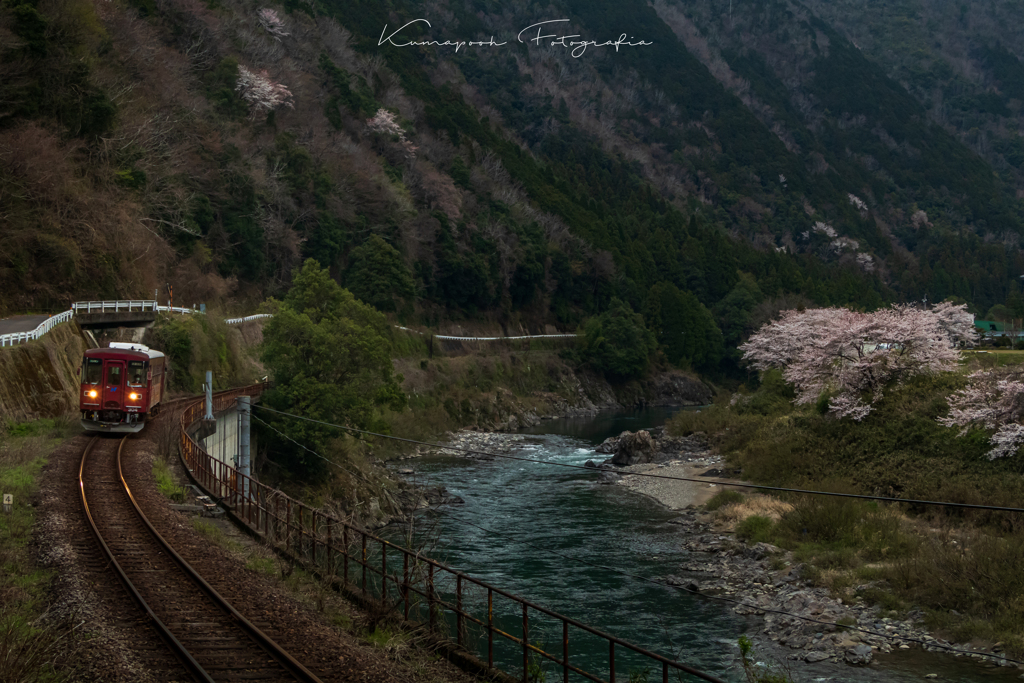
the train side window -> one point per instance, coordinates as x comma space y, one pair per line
136, 373
93, 371
114, 375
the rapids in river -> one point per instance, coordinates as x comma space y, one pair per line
538, 531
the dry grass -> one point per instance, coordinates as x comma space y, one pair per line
730, 515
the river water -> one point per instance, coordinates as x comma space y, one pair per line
531, 529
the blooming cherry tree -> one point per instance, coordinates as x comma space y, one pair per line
271, 23
385, 123
856, 355
993, 399
262, 94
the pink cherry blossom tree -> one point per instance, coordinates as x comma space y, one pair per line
272, 23
992, 399
262, 94
385, 123
856, 355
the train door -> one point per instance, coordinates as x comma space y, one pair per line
113, 385
92, 378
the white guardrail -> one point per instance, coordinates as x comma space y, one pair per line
127, 307
235, 321
142, 305
530, 336
44, 327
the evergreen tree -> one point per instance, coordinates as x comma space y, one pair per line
378, 275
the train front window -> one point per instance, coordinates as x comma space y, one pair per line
113, 375
136, 373
93, 370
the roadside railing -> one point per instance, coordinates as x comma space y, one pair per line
258, 316
44, 327
477, 615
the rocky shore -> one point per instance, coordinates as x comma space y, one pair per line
795, 620
761, 580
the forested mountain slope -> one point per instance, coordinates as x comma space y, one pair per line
750, 157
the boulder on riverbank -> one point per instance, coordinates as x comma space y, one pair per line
632, 449
662, 447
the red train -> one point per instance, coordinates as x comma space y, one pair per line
122, 387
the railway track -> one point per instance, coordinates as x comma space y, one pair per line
212, 641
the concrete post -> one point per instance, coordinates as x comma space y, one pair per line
209, 395
244, 412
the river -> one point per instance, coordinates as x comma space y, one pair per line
542, 521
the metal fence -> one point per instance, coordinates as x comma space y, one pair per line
476, 615
126, 306
44, 327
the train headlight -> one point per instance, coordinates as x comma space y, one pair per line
133, 396
92, 394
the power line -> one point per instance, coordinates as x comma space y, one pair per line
718, 598
761, 487
622, 572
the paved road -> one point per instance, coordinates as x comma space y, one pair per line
21, 323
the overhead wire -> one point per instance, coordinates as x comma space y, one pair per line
639, 577
652, 475
720, 598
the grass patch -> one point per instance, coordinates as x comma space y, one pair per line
262, 565
756, 529
960, 566
28, 651
723, 498
165, 482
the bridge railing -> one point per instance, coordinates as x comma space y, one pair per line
44, 327
126, 306
493, 623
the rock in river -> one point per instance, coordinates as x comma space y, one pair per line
634, 448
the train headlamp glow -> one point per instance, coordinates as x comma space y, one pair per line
133, 396
92, 394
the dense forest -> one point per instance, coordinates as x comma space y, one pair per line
751, 157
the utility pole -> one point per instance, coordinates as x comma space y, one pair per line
244, 413
209, 395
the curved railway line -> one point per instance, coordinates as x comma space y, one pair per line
211, 639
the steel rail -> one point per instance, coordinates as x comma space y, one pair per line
279, 654
165, 634
304, 540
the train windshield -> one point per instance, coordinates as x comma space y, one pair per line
93, 370
113, 375
136, 373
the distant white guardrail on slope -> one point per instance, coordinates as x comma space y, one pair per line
44, 327
142, 305
530, 336
235, 321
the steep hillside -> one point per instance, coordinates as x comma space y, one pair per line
748, 158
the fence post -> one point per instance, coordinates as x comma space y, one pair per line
490, 626
458, 608
383, 572
405, 582
565, 651
526, 645
430, 596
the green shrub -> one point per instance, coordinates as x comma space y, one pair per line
723, 498
755, 529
